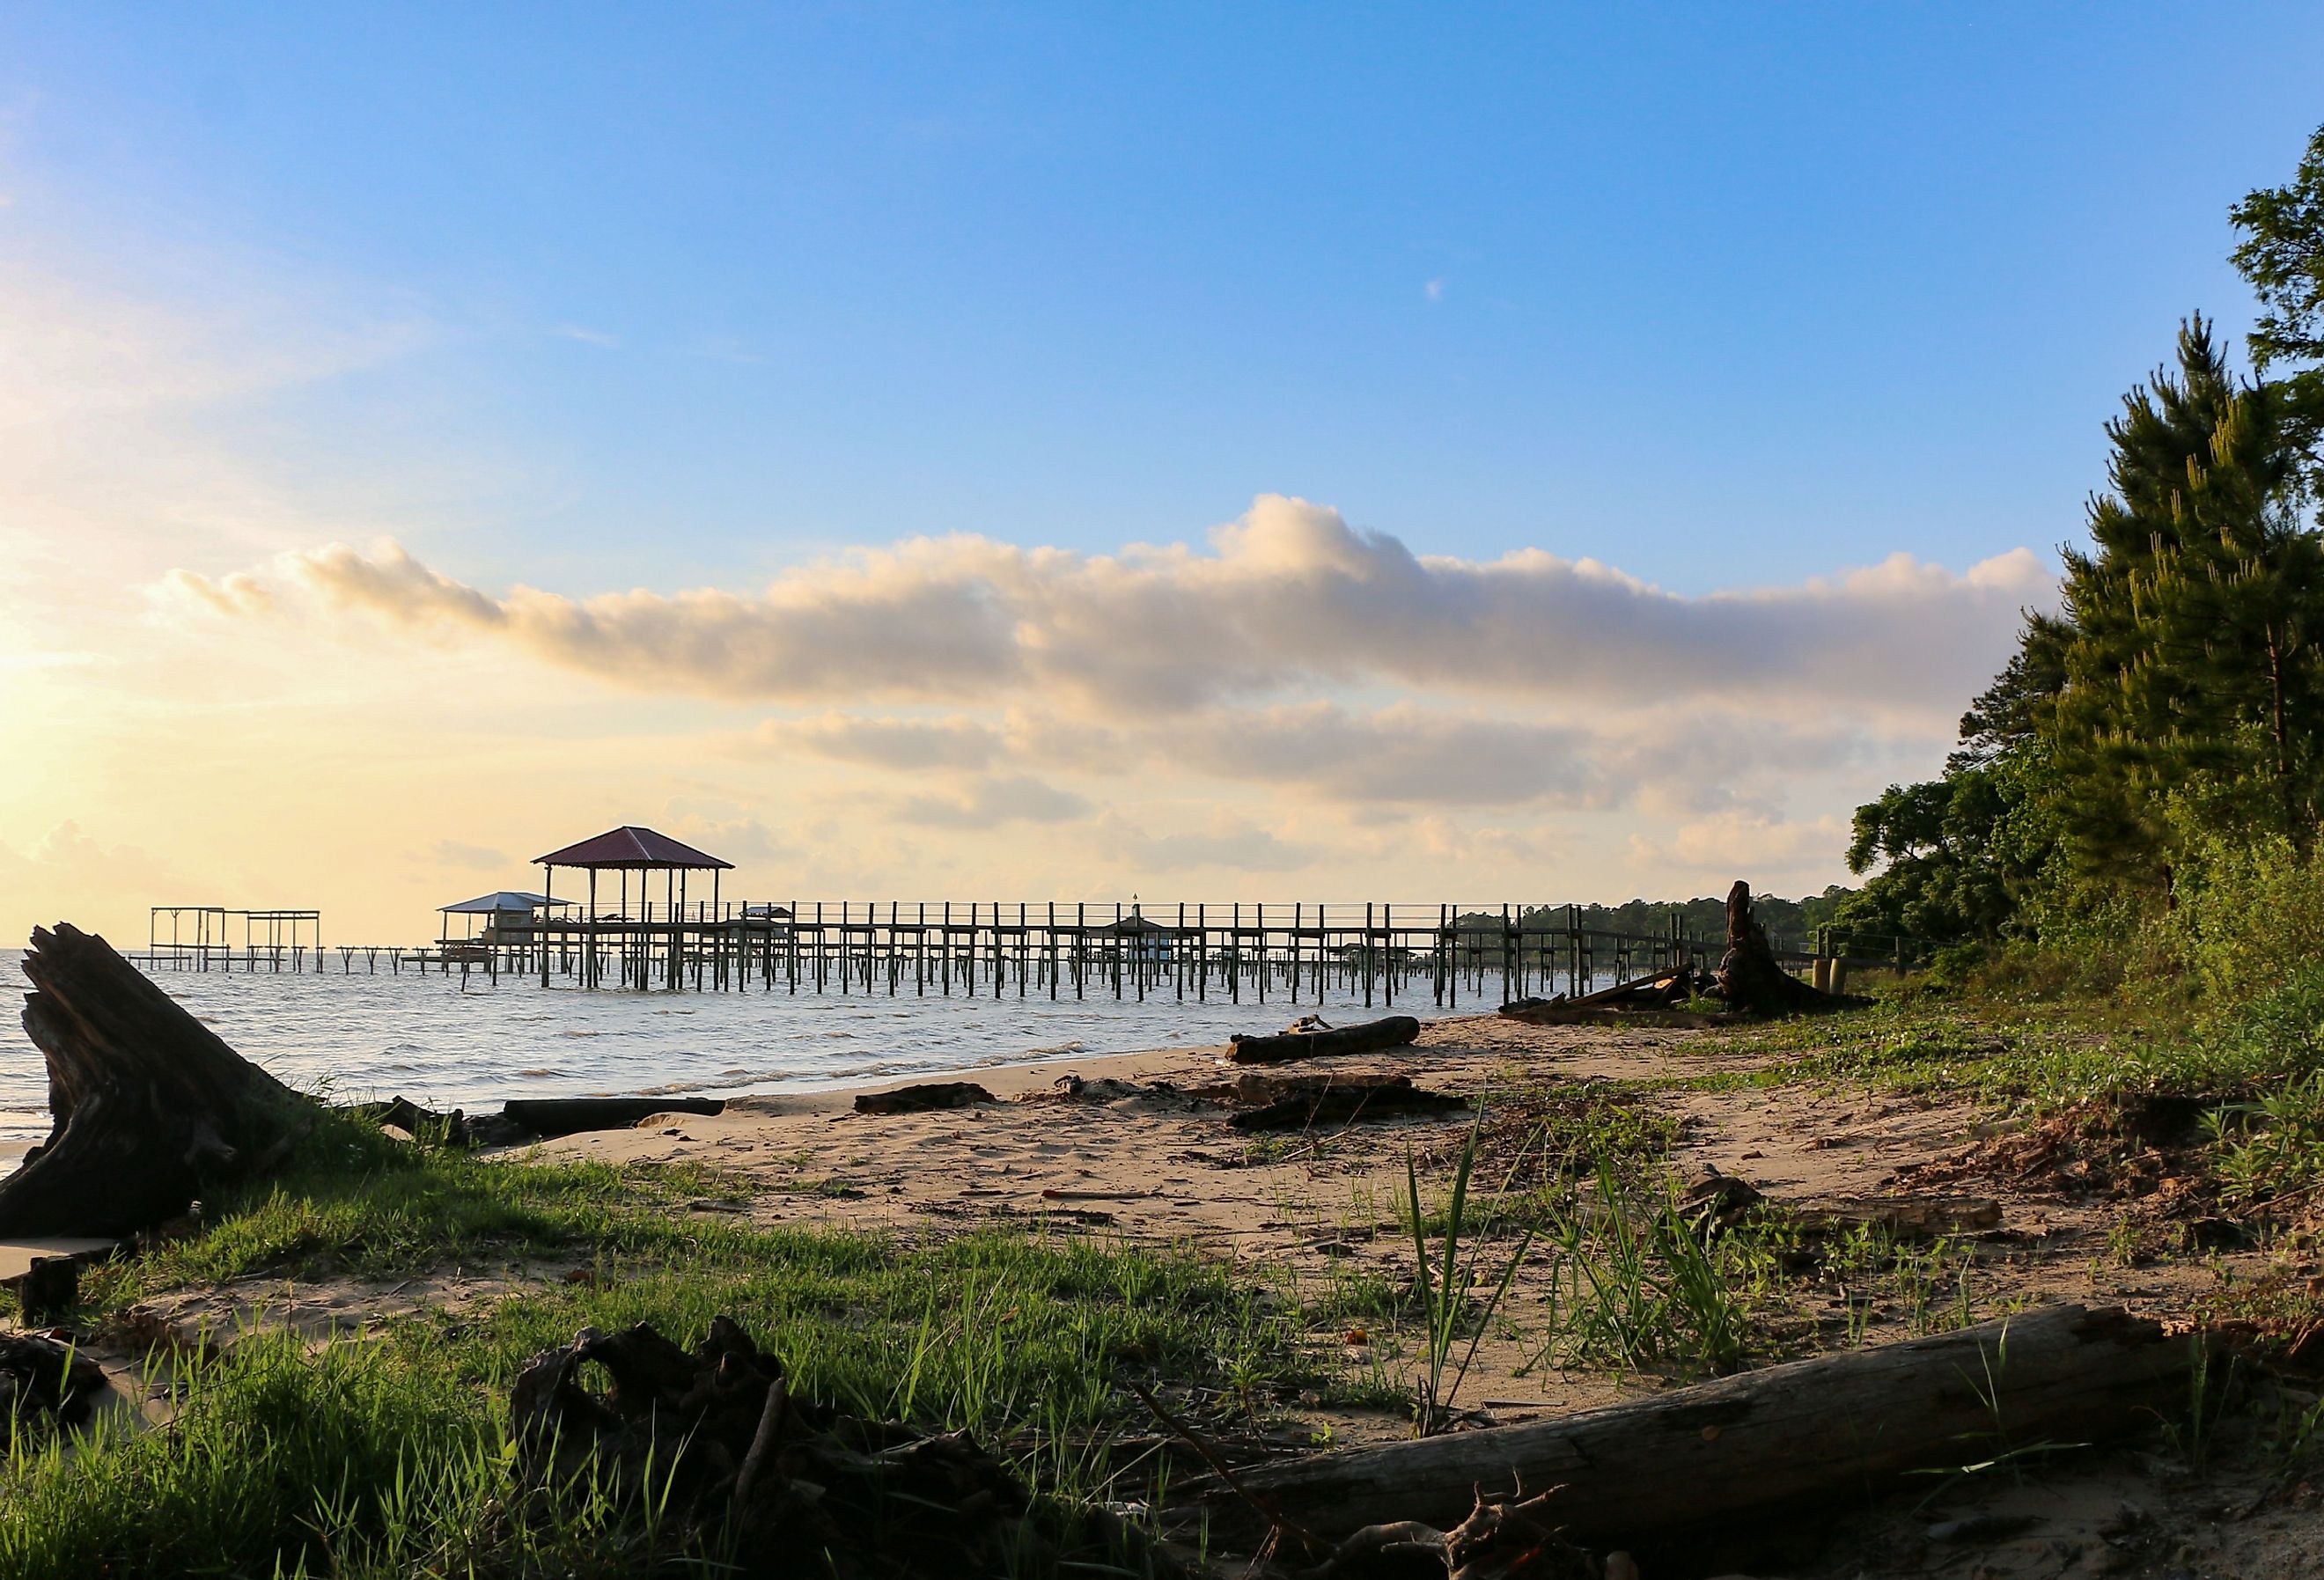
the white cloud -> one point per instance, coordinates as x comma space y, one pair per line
895, 744
1225, 844
1289, 597
454, 853
987, 803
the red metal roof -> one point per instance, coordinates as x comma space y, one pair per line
631, 847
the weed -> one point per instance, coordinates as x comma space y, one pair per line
1639, 1284
1445, 1297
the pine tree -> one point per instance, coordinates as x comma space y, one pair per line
2186, 650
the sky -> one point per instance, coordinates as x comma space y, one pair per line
1023, 452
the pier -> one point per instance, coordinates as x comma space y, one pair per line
1297, 952
619, 937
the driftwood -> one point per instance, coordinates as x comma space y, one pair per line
1501, 1540
1302, 1102
737, 1463
40, 1377
152, 1110
1562, 1012
1786, 1437
565, 1116
1903, 1217
1750, 979
428, 1124
1728, 1200
1370, 1037
928, 1097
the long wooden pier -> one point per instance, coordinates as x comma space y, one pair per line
1374, 953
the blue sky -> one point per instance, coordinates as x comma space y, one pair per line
1721, 294
737, 420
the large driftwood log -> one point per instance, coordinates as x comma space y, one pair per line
1765, 1441
151, 1108
1751, 981
565, 1116
1370, 1037
1323, 1100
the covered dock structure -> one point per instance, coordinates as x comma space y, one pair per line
505, 912
633, 927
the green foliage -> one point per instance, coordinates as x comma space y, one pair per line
2250, 916
2175, 704
2272, 1144
2283, 255
1949, 854
387, 1455
2186, 648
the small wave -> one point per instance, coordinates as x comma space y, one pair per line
539, 1075
1076, 1046
573, 1033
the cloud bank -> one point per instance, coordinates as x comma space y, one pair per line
1292, 694
1288, 598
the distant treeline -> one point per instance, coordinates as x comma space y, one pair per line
2151, 763
1792, 920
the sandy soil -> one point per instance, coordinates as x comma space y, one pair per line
1121, 1148
1152, 1164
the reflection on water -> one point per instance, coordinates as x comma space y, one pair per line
428, 1039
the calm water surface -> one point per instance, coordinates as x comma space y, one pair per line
427, 1039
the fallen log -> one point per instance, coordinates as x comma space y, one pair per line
1670, 985
1750, 979
1565, 1013
1902, 1217
928, 1097
1253, 1088
565, 1116
1330, 1102
1370, 1037
152, 1110
1763, 1442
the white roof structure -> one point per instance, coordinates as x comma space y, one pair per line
499, 901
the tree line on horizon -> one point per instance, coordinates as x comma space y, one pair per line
2157, 746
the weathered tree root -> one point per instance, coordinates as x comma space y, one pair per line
742, 1466
151, 1108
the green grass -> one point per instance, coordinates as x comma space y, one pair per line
387, 1454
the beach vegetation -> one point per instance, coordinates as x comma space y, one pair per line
381, 1447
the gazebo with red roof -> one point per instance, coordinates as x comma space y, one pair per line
630, 849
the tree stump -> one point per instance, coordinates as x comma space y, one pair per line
151, 1107
1751, 981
